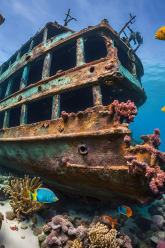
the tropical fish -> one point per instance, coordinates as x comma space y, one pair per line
160, 34
163, 109
108, 220
124, 210
42, 195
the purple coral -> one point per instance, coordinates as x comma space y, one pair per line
158, 221
53, 238
161, 244
135, 167
152, 139
125, 241
127, 140
66, 116
157, 184
123, 111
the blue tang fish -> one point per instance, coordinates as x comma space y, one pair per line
124, 210
43, 195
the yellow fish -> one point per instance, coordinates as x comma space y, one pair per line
163, 109
160, 34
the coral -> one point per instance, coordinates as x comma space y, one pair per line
157, 184
21, 203
125, 241
127, 140
1, 219
54, 238
135, 167
101, 236
161, 244
67, 227
66, 116
24, 227
44, 244
41, 237
158, 221
13, 227
152, 139
10, 215
46, 228
37, 230
77, 244
123, 111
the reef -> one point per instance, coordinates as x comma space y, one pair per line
21, 203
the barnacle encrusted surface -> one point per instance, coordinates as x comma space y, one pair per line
101, 236
21, 203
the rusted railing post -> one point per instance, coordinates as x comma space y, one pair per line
6, 119
9, 88
56, 107
80, 52
23, 117
97, 96
131, 63
31, 45
47, 65
45, 35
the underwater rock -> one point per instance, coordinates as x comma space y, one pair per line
41, 237
34, 219
2, 195
24, 227
10, 215
158, 221
143, 223
50, 215
46, 228
37, 230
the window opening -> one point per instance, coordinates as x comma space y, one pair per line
138, 73
35, 73
111, 93
63, 58
13, 58
4, 88
16, 84
2, 115
122, 55
5, 66
14, 119
94, 47
76, 100
53, 31
40, 110
25, 49
39, 38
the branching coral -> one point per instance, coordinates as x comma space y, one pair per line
123, 111
101, 236
157, 184
135, 167
21, 203
152, 139
77, 244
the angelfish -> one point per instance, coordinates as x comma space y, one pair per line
42, 195
108, 220
160, 34
163, 109
124, 210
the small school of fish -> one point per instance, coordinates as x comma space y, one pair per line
121, 210
160, 34
42, 195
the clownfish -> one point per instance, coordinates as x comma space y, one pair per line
160, 34
124, 210
42, 195
108, 220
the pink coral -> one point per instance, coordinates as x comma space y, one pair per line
125, 241
66, 116
161, 244
157, 184
127, 140
53, 238
152, 139
135, 167
123, 111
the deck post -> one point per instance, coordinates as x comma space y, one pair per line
24, 78
46, 67
97, 96
131, 63
45, 35
31, 45
1, 70
23, 117
56, 107
80, 52
6, 119
9, 88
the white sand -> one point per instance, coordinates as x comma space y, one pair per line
12, 239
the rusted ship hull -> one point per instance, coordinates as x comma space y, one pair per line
82, 154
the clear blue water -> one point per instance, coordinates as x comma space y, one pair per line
150, 115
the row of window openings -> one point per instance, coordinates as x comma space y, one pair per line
73, 101
64, 59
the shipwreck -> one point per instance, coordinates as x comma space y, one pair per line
62, 116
